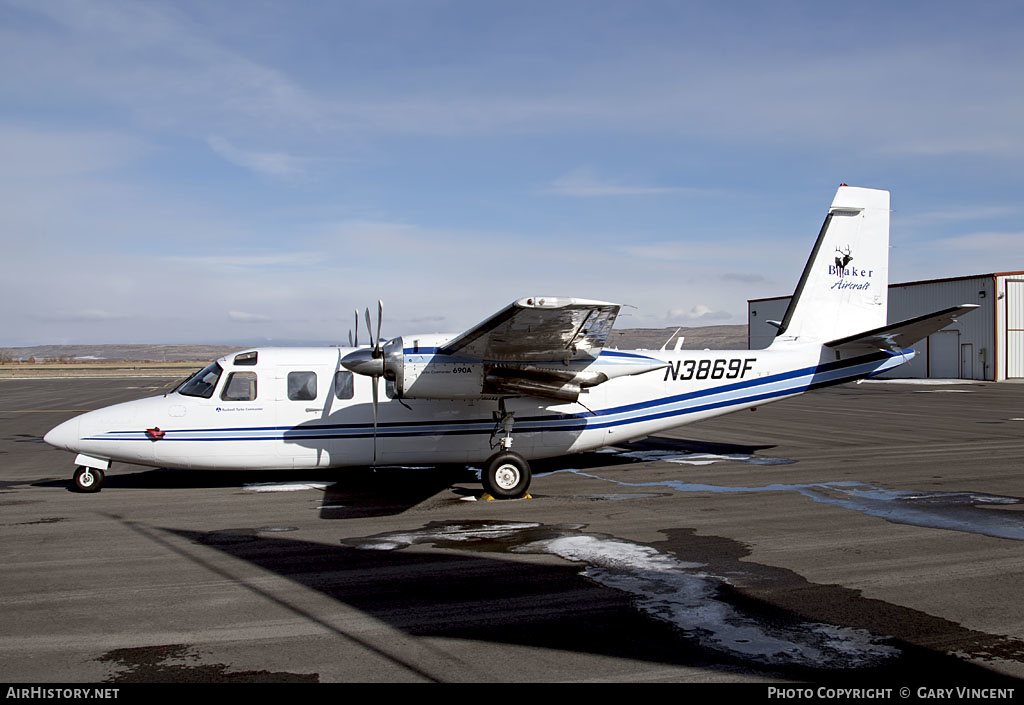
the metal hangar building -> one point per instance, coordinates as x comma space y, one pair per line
987, 344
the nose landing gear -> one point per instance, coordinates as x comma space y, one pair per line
88, 479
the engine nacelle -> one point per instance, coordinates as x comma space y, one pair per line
503, 380
423, 373
440, 378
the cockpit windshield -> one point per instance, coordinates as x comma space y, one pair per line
202, 383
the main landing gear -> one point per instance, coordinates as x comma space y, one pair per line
88, 479
506, 475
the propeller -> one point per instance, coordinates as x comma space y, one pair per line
369, 362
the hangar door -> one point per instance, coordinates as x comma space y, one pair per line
944, 354
1014, 328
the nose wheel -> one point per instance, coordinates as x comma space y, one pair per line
506, 476
88, 479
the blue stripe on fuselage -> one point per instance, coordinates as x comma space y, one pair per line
831, 373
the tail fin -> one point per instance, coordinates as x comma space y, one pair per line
845, 284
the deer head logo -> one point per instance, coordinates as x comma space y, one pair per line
844, 260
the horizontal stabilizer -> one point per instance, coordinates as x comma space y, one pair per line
899, 336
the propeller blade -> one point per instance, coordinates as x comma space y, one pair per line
350, 338
380, 319
369, 328
375, 400
356, 344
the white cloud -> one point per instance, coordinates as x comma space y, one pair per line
699, 312
89, 315
240, 262
154, 61
117, 208
947, 145
247, 317
36, 152
744, 277
399, 238
272, 163
1011, 244
952, 215
585, 183
173, 69
686, 251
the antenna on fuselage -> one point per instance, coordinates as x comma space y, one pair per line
670, 338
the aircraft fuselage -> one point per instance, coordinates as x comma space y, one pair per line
298, 408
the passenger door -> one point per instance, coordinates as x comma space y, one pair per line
300, 393
323, 418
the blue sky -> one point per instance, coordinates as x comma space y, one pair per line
207, 172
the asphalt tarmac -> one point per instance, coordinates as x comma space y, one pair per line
868, 534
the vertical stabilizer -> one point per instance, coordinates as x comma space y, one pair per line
845, 284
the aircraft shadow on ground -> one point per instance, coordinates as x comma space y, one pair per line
366, 492
348, 493
478, 596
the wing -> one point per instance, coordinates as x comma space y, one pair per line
897, 336
538, 329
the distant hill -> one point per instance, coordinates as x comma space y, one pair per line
698, 338
714, 337
118, 353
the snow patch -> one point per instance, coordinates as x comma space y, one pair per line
682, 593
685, 595
284, 486
686, 458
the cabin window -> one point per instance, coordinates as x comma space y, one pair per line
203, 382
343, 388
302, 386
241, 386
247, 359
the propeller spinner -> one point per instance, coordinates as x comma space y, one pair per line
367, 361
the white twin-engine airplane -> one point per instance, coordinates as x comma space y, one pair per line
532, 381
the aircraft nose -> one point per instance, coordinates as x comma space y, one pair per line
65, 435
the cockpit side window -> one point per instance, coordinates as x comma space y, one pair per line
241, 386
203, 383
302, 386
247, 359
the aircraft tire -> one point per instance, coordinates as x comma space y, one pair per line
507, 475
88, 479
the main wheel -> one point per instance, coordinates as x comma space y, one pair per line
506, 476
88, 479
